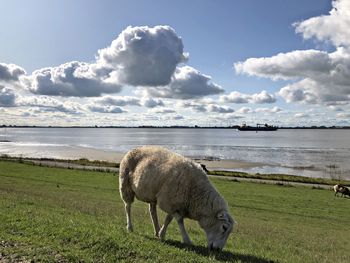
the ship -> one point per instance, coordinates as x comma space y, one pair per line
258, 127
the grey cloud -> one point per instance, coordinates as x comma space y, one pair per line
119, 101
7, 97
105, 109
144, 56
177, 117
219, 109
186, 83
71, 79
10, 72
151, 103
48, 104
192, 105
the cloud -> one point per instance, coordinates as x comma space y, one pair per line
177, 117
162, 110
343, 115
299, 63
70, 79
240, 98
196, 107
143, 56
49, 104
10, 72
118, 101
319, 77
186, 83
105, 109
219, 109
301, 115
7, 97
244, 110
151, 103
335, 108
333, 27
268, 110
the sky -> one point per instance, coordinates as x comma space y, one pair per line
207, 63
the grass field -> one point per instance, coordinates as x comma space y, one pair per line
53, 214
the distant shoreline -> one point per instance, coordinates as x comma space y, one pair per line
179, 127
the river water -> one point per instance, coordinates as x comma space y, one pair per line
316, 153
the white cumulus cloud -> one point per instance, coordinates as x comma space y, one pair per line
318, 77
144, 56
333, 27
257, 98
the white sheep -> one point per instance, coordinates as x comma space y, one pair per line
179, 187
338, 188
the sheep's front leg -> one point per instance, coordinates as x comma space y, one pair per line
153, 212
162, 231
128, 217
180, 220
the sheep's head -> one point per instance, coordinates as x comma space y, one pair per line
218, 230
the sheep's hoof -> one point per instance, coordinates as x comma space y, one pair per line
130, 228
161, 236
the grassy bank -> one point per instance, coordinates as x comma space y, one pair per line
81, 161
62, 215
281, 177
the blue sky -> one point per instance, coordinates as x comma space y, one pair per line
215, 34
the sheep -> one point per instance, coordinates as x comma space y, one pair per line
341, 189
337, 189
345, 191
180, 187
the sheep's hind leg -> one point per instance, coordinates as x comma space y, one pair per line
128, 217
180, 220
153, 212
162, 231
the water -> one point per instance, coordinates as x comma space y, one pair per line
301, 152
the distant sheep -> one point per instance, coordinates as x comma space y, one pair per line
338, 188
180, 187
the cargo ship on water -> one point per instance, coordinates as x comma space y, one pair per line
258, 127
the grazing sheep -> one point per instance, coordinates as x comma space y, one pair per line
179, 187
338, 188
345, 191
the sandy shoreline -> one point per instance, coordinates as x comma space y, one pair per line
77, 152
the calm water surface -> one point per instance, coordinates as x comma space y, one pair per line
302, 152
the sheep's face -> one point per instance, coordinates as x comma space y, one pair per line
219, 230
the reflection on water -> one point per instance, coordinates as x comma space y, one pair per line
302, 152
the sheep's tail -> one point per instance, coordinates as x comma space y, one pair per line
126, 192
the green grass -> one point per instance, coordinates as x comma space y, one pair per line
53, 214
81, 161
282, 177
